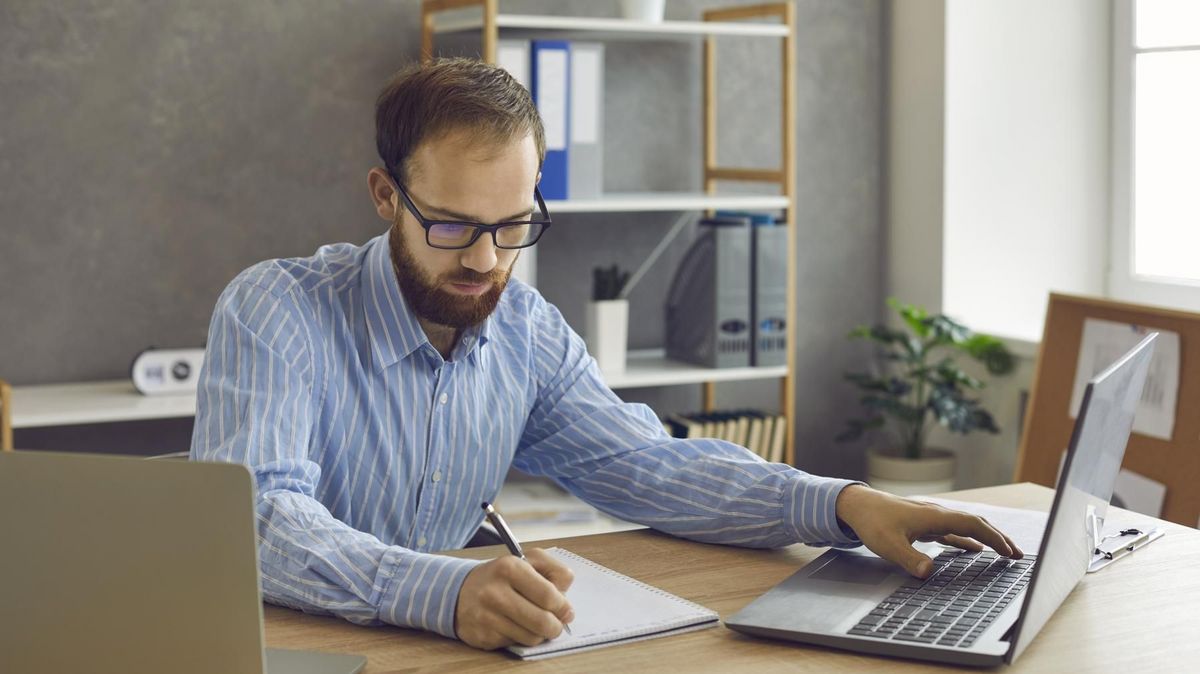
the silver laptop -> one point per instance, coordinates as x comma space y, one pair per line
976, 608
126, 565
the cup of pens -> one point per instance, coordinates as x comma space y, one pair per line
606, 326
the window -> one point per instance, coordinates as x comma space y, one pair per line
1156, 153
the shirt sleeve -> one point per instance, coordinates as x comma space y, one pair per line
617, 457
257, 394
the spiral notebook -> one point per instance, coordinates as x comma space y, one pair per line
612, 609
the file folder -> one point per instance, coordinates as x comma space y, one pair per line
585, 170
550, 73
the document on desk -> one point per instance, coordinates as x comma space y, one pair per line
612, 609
1024, 527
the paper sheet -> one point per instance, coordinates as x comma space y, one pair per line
1024, 527
1131, 491
1103, 342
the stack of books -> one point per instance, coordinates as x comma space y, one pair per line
758, 431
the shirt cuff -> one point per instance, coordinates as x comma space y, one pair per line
421, 590
810, 511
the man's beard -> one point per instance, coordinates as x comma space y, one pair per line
426, 296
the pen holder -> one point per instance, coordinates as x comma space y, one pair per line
605, 332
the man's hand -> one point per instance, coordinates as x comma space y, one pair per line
889, 524
509, 600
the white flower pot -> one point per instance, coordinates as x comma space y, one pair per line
606, 330
892, 472
650, 11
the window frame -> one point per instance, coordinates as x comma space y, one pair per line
1122, 283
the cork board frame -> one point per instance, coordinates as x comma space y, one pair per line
1048, 424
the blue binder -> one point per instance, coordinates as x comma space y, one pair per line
550, 72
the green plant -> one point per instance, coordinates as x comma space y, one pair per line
608, 283
923, 381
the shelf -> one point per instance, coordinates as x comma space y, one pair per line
94, 403
666, 201
651, 367
110, 401
608, 28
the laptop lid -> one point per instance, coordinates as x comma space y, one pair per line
126, 565
1085, 486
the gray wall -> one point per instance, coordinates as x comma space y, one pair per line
149, 152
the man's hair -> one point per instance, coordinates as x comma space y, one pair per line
427, 100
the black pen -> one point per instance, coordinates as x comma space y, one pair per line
507, 536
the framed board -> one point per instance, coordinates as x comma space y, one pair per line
1175, 462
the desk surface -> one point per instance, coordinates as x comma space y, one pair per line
1141, 607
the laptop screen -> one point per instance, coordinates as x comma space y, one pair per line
1084, 488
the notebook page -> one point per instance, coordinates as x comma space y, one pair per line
610, 607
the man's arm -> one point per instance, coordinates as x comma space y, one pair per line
617, 457
258, 393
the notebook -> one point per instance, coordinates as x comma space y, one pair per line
611, 609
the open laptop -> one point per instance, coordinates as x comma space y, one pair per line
114, 564
976, 608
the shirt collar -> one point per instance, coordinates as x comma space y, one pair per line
394, 330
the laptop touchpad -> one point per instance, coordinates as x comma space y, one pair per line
856, 569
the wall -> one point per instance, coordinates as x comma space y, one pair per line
997, 178
149, 152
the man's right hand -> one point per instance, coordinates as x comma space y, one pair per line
507, 601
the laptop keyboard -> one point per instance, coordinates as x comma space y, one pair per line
954, 605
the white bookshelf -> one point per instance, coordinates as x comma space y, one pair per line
666, 201
603, 28
112, 401
93, 403
651, 367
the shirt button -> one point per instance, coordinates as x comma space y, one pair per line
421, 541
443, 399
437, 476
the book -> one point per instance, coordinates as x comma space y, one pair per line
611, 609
779, 433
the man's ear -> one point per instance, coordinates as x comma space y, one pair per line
383, 193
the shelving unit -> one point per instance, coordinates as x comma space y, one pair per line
645, 202
111, 401
651, 368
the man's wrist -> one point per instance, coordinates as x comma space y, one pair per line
846, 503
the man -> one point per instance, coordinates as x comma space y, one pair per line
380, 394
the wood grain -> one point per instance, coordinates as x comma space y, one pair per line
1142, 605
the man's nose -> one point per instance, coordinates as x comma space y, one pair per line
481, 255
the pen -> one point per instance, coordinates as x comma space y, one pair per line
506, 535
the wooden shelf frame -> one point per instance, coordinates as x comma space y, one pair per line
784, 176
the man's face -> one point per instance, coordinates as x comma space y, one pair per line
459, 178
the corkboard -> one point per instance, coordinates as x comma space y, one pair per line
1047, 432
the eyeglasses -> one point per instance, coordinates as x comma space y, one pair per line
455, 235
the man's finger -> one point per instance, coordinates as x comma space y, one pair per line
513, 632
551, 568
532, 616
969, 544
912, 560
964, 524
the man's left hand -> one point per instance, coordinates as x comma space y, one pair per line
888, 525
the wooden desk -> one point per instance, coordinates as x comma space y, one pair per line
1145, 606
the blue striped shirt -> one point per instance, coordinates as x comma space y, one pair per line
370, 451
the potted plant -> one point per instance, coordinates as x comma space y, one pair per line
606, 325
921, 385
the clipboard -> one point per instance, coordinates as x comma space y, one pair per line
1122, 544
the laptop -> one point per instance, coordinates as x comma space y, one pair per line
976, 608
117, 564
